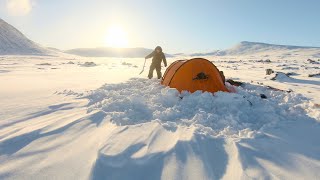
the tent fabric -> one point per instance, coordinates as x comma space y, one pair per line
193, 75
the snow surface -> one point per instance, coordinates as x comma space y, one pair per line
96, 118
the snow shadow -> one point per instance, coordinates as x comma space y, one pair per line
14, 144
49, 110
208, 152
281, 77
277, 130
285, 149
4, 71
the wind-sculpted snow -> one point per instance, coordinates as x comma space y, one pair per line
166, 135
53, 127
240, 114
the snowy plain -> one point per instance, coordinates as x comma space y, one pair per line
71, 117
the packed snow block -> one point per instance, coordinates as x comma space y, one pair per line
194, 75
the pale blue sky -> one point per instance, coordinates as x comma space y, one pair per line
177, 25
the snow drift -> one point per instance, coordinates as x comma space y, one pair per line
141, 130
52, 128
162, 134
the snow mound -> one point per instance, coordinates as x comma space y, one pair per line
162, 134
240, 114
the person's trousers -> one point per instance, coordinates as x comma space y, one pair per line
157, 68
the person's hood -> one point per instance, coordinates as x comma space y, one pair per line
158, 47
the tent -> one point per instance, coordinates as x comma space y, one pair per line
194, 74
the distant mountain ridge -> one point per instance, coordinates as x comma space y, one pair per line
246, 47
257, 48
13, 42
242, 48
244, 43
112, 52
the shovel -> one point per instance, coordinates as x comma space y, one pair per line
144, 64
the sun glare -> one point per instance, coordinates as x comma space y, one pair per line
116, 37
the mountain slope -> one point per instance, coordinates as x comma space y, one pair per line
263, 49
245, 47
13, 42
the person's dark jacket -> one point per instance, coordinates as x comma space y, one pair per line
157, 57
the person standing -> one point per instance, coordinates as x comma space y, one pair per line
157, 57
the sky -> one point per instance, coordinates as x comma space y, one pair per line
176, 25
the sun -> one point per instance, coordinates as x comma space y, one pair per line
116, 37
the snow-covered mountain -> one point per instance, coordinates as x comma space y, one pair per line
243, 48
112, 52
13, 42
246, 48
264, 49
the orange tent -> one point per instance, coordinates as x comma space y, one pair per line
192, 75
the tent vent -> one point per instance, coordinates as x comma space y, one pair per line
201, 76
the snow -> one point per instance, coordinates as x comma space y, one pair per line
265, 50
14, 42
249, 48
62, 119
69, 117
140, 100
